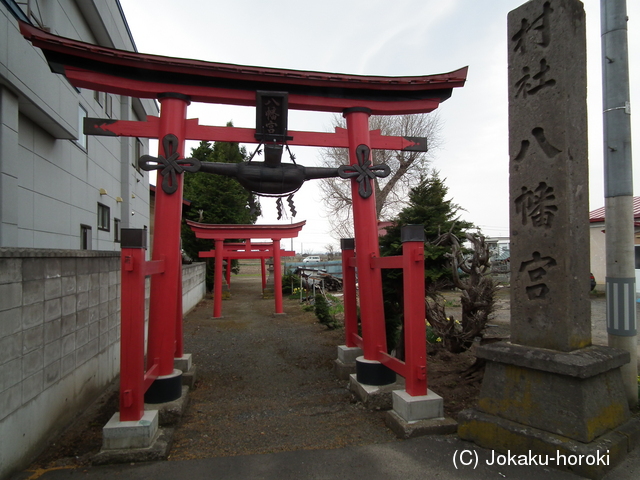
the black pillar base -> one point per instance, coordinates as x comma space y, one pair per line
371, 372
166, 388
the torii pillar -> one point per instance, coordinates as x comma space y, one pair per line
165, 311
366, 238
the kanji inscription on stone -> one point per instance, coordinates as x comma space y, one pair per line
548, 175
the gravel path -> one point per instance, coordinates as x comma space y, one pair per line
266, 382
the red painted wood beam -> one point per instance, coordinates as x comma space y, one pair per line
145, 76
227, 231
195, 131
245, 255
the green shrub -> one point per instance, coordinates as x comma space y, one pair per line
323, 313
289, 283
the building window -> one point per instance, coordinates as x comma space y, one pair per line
138, 151
99, 97
109, 106
116, 230
85, 237
82, 138
104, 218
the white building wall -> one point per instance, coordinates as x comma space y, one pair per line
50, 182
59, 327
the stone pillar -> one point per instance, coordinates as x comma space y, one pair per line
550, 391
548, 176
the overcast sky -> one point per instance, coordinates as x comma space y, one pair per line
382, 37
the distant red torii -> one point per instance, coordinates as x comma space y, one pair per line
221, 232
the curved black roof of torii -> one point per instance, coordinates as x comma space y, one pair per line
145, 76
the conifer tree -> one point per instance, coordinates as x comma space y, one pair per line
429, 207
215, 198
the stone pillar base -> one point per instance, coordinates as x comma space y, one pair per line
542, 401
141, 441
183, 363
590, 460
345, 364
141, 433
419, 407
374, 397
420, 415
189, 373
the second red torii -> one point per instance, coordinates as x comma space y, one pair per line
247, 250
221, 232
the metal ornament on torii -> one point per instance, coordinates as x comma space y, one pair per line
175, 82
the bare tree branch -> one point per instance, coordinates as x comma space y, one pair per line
406, 169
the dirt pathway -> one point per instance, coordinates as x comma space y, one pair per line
266, 382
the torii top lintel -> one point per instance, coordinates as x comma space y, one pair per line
147, 76
228, 231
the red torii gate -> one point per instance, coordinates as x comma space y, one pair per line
261, 251
175, 82
219, 233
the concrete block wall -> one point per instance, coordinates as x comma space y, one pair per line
193, 285
59, 343
59, 340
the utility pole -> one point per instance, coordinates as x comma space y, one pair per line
618, 191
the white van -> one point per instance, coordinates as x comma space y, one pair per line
311, 258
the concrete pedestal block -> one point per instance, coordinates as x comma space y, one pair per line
131, 434
348, 355
578, 394
547, 402
345, 364
592, 460
419, 428
189, 377
416, 408
417, 416
183, 363
374, 397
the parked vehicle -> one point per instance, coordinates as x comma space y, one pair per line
311, 258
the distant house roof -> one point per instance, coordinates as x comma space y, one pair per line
597, 215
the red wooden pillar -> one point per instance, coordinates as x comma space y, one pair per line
263, 270
217, 280
165, 309
365, 224
349, 292
132, 333
229, 260
277, 275
179, 336
415, 334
